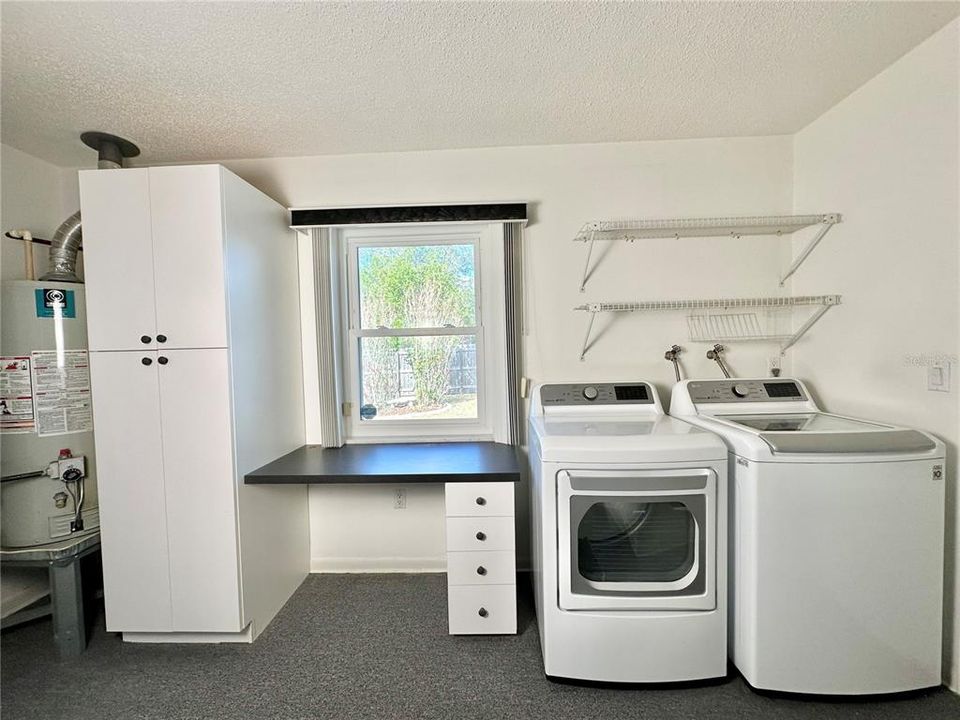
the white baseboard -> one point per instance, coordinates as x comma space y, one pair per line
244, 636
378, 564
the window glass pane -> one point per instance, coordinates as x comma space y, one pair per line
424, 377
636, 542
417, 286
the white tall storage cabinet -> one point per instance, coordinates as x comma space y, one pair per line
194, 335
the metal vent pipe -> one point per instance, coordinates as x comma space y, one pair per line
111, 150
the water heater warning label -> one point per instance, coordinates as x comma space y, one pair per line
61, 392
16, 395
55, 302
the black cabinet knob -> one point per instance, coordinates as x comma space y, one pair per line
481, 570
162, 360
481, 536
482, 612
145, 339
481, 501
146, 361
161, 338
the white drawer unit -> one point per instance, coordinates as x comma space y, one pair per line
480, 533
480, 499
481, 568
478, 610
481, 558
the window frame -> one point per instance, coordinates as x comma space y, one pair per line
487, 241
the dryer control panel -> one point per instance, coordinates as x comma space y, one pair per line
731, 391
596, 394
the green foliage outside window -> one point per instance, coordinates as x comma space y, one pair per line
414, 287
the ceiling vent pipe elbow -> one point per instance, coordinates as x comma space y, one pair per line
111, 150
64, 246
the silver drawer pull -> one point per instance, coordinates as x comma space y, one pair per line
482, 612
481, 570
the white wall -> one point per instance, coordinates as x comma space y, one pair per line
356, 528
887, 158
36, 196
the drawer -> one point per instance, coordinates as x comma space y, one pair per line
479, 610
479, 499
480, 533
481, 568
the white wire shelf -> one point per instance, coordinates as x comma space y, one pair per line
735, 227
701, 227
711, 304
742, 327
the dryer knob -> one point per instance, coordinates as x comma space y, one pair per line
590, 392
741, 390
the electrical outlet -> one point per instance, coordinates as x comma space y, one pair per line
938, 377
773, 365
399, 499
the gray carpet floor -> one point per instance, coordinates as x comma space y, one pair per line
367, 646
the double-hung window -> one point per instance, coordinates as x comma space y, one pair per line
423, 332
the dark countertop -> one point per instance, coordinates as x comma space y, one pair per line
392, 463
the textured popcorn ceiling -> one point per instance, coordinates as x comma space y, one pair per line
226, 80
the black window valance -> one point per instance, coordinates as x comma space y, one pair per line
331, 217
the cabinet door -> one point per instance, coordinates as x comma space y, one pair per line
130, 481
201, 490
188, 249
118, 259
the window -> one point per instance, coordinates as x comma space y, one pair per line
423, 330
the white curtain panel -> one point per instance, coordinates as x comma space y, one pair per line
328, 297
513, 306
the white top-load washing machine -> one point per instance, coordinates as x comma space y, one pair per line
837, 540
628, 536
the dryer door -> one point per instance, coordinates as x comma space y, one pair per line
643, 539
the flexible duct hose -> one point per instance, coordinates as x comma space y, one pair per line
63, 251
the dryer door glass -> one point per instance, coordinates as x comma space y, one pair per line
637, 542
648, 544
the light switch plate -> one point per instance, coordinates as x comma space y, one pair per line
938, 377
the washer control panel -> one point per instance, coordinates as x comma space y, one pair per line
729, 391
596, 394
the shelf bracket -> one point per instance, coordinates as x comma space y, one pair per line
821, 311
586, 265
828, 222
586, 337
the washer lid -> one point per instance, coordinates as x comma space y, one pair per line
884, 441
625, 440
816, 432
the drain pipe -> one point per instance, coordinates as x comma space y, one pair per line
111, 150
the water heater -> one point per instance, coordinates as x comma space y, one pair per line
48, 491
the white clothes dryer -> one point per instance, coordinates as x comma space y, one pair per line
836, 545
628, 515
